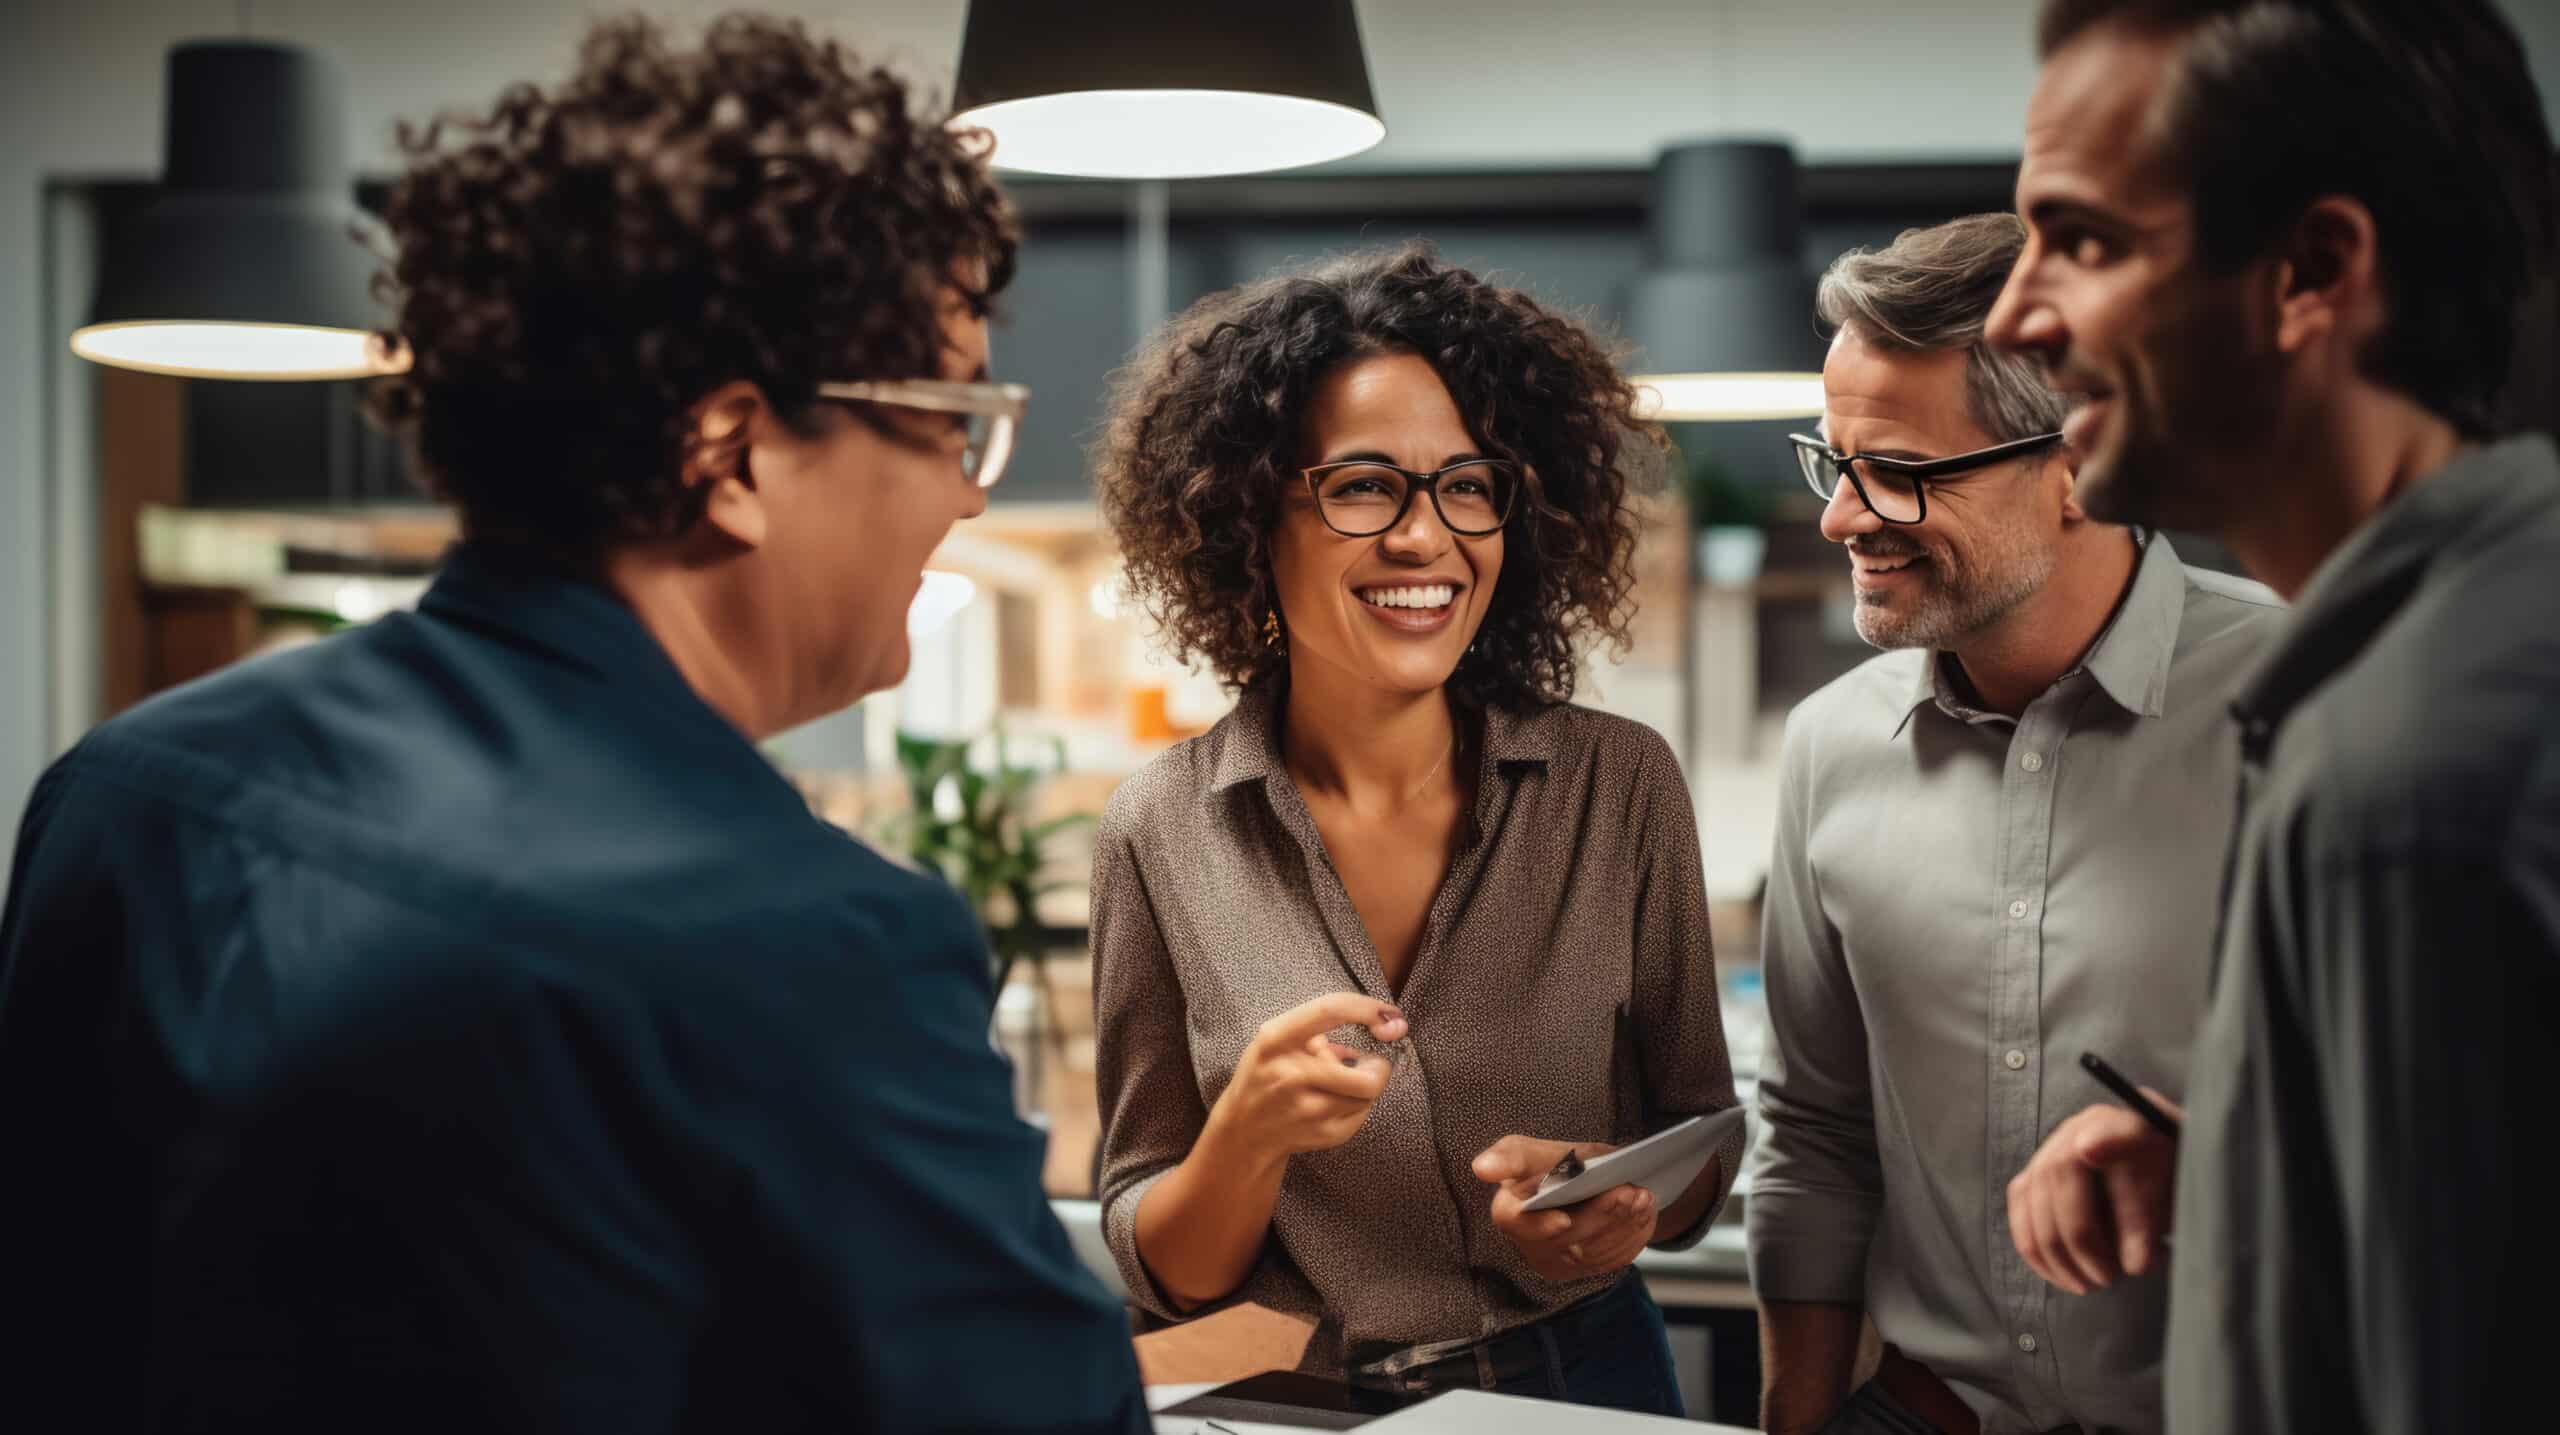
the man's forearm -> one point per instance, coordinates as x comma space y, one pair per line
1808, 1353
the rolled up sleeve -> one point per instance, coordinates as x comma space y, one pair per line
1816, 1183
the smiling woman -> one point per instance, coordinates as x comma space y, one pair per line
1389, 500
1204, 456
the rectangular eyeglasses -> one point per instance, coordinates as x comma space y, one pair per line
994, 412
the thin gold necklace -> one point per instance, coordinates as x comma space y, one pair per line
1434, 772
1437, 764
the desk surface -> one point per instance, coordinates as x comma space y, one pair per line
1713, 1274
1482, 1414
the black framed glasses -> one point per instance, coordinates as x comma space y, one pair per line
1363, 498
1897, 489
993, 412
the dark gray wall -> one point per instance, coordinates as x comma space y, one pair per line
1574, 240
1062, 328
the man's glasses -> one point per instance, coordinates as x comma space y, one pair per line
994, 411
1897, 489
1364, 498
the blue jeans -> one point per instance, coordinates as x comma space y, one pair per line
1610, 1349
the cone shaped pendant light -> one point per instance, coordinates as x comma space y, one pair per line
1724, 313
1142, 89
247, 265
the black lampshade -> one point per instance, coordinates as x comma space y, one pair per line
1724, 312
1142, 89
247, 265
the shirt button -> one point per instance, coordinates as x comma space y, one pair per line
2032, 762
2018, 909
2014, 1059
2026, 1343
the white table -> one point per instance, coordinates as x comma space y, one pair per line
1472, 1411
1160, 1396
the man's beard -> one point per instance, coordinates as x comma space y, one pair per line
2193, 397
2133, 480
1953, 605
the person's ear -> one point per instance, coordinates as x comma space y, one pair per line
2326, 276
726, 424
2062, 464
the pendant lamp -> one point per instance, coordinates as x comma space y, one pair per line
1141, 89
247, 265
1724, 312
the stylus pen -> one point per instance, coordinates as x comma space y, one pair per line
2129, 1094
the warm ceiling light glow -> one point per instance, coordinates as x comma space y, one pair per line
1728, 397
192, 349
1169, 134
938, 601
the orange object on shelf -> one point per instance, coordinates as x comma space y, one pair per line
1148, 720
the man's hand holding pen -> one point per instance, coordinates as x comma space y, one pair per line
2093, 1204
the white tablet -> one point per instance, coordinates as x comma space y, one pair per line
1663, 1163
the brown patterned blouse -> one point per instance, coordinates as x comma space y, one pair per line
1564, 988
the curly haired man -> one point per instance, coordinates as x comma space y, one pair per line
458, 1024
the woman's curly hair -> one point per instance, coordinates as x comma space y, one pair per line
579, 266
1201, 442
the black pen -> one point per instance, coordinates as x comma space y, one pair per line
2129, 1094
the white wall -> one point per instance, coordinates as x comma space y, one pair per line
1464, 83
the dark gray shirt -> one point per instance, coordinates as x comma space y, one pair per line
2356, 1248
1959, 905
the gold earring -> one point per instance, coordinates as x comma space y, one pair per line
1271, 637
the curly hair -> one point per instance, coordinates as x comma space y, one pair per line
1200, 443
576, 268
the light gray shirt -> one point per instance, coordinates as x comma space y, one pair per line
1959, 905
2364, 1238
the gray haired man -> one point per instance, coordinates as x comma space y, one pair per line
1998, 847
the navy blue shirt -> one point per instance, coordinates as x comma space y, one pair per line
457, 1023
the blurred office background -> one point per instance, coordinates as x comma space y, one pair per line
152, 529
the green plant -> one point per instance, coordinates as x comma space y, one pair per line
972, 825
1720, 500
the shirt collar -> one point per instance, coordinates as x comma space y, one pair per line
1937, 688
575, 620
2480, 496
2131, 658
1245, 744
2129, 661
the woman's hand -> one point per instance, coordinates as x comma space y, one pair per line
1202, 1227
1294, 1089
1572, 1243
